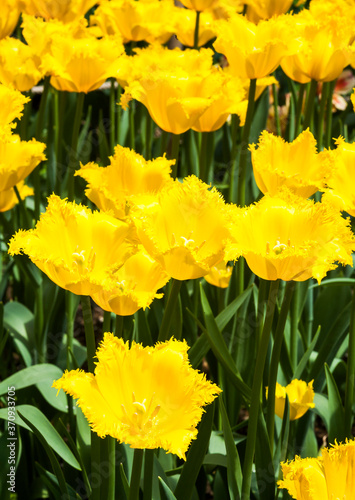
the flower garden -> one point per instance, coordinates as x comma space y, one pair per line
177, 293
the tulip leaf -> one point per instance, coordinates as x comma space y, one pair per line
321, 408
335, 408
304, 360
165, 491
334, 282
19, 321
196, 454
265, 473
234, 471
124, 480
52, 484
220, 349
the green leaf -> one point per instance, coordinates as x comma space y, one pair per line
124, 480
52, 484
334, 281
196, 454
19, 321
265, 472
335, 408
321, 408
220, 349
234, 471
304, 360
165, 491
30, 376
227, 314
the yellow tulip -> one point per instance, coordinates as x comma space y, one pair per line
265, 9
219, 275
133, 286
76, 248
300, 396
19, 65
199, 5
9, 16
340, 190
18, 159
185, 27
147, 397
290, 238
63, 10
296, 165
186, 230
8, 198
12, 103
330, 476
149, 20
128, 180
253, 51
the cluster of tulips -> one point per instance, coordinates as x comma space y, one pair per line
158, 224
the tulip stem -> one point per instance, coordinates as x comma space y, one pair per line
329, 114
119, 112
136, 474
203, 156
321, 113
350, 374
256, 390
106, 326
168, 313
148, 474
276, 109
73, 158
112, 467
275, 358
310, 105
39, 135
119, 326
89, 331
294, 326
112, 115
245, 143
299, 107
131, 126
148, 137
175, 144
27, 223
197, 27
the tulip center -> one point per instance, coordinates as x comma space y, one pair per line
279, 247
143, 415
84, 264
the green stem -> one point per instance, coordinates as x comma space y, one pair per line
119, 326
42, 109
168, 313
299, 107
197, 27
350, 374
119, 113
163, 142
25, 118
106, 327
112, 115
175, 145
148, 137
27, 223
74, 144
294, 326
321, 113
131, 126
310, 105
203, 156
89, 331
256, 391
245, 143
148, 474
276, 109
112, 467
233, 155
136, 475
275, 358
329, 115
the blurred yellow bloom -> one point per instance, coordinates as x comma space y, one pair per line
12, 103
8, 198
147, 397
149, 20
133, 286
296, 165
300, 396
323, 51
340, 190
128, 180
330, 476
185, 21
290, 238
352, 97
223, 9
265, 9
199, 5
19, 65
77, 248
186, 231
9, 16
253, 51
219, 275
81, 63
63, 10
339, 13
18, 159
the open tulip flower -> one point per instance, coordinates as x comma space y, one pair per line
8, 198
296, 165
185, 27
253, 51
290, 238
300, 396
330, 476
219, 275
12, 103
18, 159
133, 286
340, 190
149, 20
266, 9
186, 230
63, 10
20, 66
147, 397
199, 5
128, 180
75, 247
9, 16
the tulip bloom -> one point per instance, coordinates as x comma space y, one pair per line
296, 165
340, 190
219, 275
63, 10
8, 198
253, 51
199, 5
133, 286
300, 396
12, 103
128, 180
147, 397
330, 476
18, 159
19, 65
287, 237
185, 27
186, 230
77, 248
265, 9
9, 16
